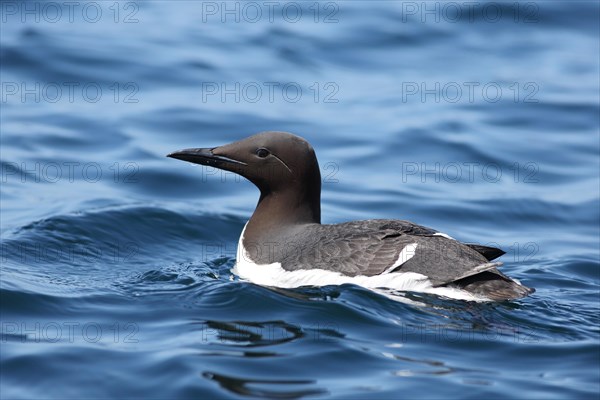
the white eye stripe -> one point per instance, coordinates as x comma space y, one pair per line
284, 164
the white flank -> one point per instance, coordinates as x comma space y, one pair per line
443, 235
274, 275
406, 254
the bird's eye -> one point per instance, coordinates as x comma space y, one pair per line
262, 152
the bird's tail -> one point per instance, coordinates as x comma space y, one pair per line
492, 284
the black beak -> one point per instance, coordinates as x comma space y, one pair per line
203, 157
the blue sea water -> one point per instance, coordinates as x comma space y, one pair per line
480, 119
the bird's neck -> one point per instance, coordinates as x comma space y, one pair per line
277, 211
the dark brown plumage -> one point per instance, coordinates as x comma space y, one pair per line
286, 225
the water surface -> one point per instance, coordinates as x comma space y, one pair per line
116, 261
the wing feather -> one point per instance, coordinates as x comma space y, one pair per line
372, 247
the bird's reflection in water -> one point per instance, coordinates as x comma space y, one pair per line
267, 388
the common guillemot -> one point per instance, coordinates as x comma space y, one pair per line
285, 245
